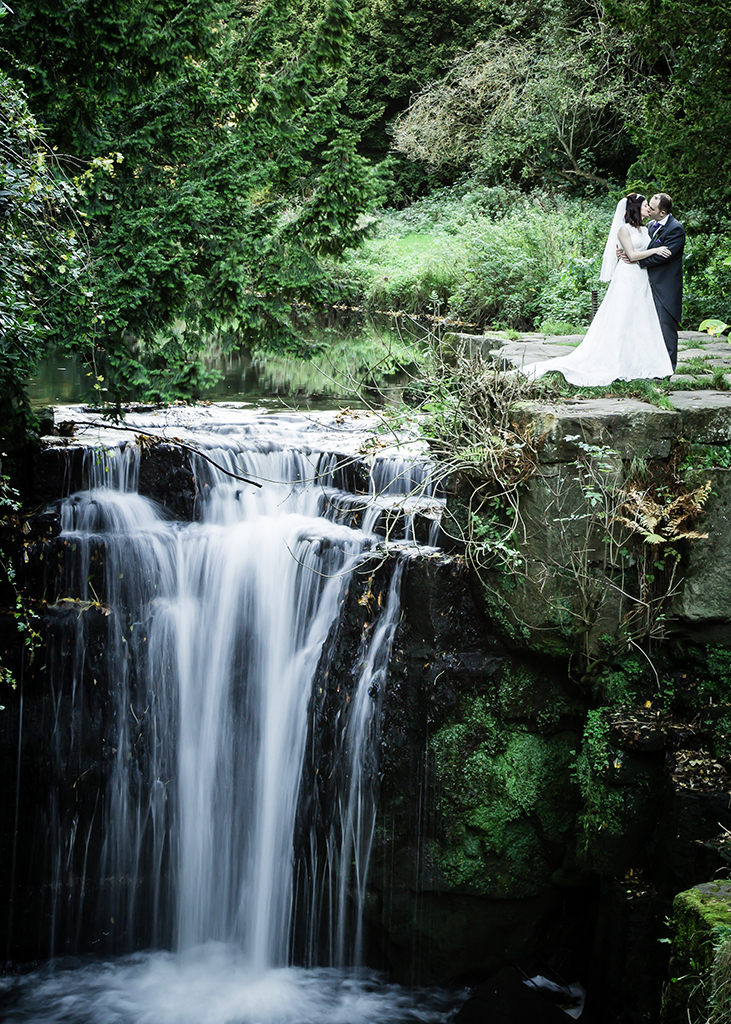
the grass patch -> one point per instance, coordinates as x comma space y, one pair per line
484, 256
553, 386
561, 328
716, 382
412, 273
697, 366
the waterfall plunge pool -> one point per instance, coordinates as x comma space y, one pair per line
212, 984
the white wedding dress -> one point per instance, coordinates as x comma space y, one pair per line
624, 341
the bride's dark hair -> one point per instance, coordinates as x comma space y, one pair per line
633, 213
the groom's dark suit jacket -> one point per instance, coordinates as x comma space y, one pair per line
666, 274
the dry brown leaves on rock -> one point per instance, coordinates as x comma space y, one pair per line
659, 522
697, 770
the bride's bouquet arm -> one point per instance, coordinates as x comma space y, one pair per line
674, 239
633, 255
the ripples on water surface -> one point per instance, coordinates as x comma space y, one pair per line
211, 985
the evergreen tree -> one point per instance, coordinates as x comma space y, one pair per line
683, 125
42, 255
207, 179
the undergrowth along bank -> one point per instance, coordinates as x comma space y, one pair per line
483, 255
567, 550
494, 256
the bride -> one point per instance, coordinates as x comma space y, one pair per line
624, 341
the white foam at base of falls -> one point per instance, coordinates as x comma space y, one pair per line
213, 984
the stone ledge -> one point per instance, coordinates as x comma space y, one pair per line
705, 416
506, 352
627, 425
630, 426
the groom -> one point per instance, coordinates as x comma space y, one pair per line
666, 273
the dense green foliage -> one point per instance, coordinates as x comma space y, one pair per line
497, 257
553, 107
397, 47
585, 92
211, 178
178, 172
683, 129
587, 99
400, 45
41, 251
486, 256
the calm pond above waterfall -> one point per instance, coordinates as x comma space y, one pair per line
374, 361
197, 858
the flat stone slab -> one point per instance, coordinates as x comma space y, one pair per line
717, 895
684, 336
718, 348
705, 415
627, 425
534, 347
693, 353
516, 354
684, 401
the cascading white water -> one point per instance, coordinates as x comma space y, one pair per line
259, 586
232, 612
214, 632
357, 804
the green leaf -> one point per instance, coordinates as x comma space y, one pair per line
654, 538
714, 326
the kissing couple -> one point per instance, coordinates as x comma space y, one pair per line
634, 334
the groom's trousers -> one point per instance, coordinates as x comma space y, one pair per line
669, 328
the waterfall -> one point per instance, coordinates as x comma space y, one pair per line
210, 634
210, 798
358, 762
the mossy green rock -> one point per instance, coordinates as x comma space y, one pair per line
504, 807
698, 990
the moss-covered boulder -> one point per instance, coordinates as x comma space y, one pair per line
505, 796
699, 990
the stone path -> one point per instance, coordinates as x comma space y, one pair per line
699, 355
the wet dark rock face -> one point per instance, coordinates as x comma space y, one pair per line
56, 472
51, 729
166, 477
490, 849
447, 902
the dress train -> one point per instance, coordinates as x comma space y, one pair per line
624, 341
